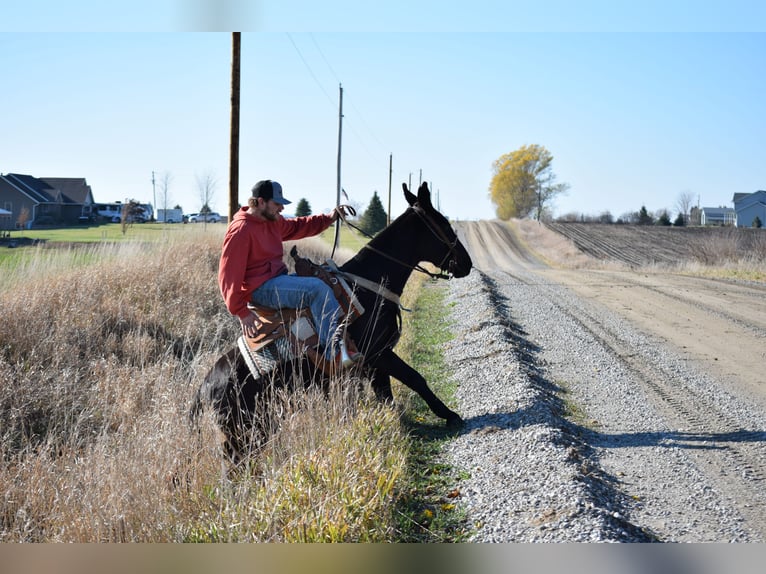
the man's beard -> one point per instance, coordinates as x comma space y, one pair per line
268, 215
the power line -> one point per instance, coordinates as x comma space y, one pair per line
308, 67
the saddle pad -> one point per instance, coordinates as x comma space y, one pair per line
262, 360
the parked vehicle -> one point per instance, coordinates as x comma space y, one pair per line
170, 216
211, 217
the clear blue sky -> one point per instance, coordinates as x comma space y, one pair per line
635, 106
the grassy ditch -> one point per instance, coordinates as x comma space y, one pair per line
101, 350
426, 509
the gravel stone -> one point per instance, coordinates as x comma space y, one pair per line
560, 443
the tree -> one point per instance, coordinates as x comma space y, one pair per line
643, 217
680, 220
23, 218
684, 203
757, 223
524, 183
130, 213
303, 208
374, 217
206, 184
663, 218
165, 181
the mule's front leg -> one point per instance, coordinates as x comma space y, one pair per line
381, 385
392, 365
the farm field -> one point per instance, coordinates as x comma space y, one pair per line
639, 245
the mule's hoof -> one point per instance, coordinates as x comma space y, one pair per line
455, 422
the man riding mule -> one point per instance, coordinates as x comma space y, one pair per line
251, 270
377, 275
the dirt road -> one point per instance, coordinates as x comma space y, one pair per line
711, 326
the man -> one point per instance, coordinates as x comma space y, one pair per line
251, 268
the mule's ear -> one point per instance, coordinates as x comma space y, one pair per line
411, 199
424, 196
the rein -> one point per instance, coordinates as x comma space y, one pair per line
417, 267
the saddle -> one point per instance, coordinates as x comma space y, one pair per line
284, 334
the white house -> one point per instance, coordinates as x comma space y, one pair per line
718, 216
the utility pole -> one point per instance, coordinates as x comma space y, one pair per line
154, 199
390, 170
337, 199
236, 43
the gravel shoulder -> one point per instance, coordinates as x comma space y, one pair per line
606, 405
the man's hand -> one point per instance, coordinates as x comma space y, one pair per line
342, 211
250, 325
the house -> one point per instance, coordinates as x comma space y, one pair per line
718, 216
749, 206
44, 201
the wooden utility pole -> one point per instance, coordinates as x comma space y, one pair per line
390, 170
337, 200
234, 141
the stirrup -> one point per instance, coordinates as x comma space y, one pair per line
348, 357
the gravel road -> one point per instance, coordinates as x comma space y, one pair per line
595, 412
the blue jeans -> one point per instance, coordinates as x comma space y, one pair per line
295, 292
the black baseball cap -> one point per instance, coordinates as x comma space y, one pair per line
268, 189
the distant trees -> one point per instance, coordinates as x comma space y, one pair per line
685, 210
684, 204
302, 208
374, 217
523, 183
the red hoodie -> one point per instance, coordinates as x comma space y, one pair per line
252, 253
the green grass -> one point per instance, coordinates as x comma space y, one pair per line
427, 508
94, 234
349, 238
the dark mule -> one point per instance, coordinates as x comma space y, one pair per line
421, 233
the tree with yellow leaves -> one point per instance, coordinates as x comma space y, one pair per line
523, 183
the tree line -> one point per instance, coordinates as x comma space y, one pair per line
524, 185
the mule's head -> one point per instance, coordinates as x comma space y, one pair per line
438, 242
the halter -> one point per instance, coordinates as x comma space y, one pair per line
433, 228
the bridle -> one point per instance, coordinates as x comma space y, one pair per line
435, 230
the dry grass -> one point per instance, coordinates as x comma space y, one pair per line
101, 349
555, 249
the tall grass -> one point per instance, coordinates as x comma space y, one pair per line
101, 349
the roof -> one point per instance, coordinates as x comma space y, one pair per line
717, 210
74, 189
35, 188
738, 196
748, 199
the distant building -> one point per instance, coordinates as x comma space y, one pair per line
718, 216
749, 206
48, 200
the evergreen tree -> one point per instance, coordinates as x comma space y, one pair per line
643, 217
663, 219
680, 220
757, 223
303, 208
374, 217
